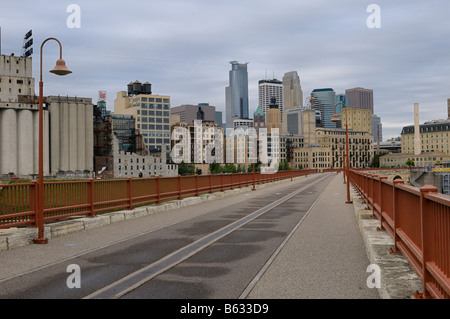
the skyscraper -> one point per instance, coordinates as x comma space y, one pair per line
360, 97
292, 91
377, 129
236, 94
267, 89
324, 100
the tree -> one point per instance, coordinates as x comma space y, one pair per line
284, 166
215, 168
230, 168
186, 168
410, 163
376, 159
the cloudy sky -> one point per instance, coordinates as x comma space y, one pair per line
183, 47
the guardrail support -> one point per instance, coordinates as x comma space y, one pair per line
395, 209
90, 196
427, 240
129, 193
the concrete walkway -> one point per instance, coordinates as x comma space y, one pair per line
328, 256
325, 258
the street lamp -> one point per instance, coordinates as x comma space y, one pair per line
336, 119
59, 69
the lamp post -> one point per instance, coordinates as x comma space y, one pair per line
59, 69
336, 119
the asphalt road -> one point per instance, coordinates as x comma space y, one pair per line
213, 255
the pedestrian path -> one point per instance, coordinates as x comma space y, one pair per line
324, 258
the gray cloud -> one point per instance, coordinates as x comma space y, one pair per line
183, 48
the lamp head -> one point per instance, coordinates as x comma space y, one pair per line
335, 118
60, 68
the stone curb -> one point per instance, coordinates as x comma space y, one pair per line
16, 237
398, 279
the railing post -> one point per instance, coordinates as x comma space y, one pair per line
372, 181
129, 193
210, 183
179, 186
221, 182
395, 209
196, 184
158, 193
426, 237
40, 216
33, 201
90, 196
380, 196
232, 185
253, 177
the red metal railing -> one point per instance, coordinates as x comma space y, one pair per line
62, 199
419, 222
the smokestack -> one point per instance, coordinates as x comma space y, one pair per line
417, 144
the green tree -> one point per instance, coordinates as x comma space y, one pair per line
215, 168
284, 166
230, 168
186, 168
376, 159
410, 163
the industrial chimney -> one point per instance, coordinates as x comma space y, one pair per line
417, 143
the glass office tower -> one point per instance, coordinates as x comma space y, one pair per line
237, 93
324, 100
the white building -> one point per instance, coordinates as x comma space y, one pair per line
129, 164
19, 119
72, 138
268, 89
68, 127
16, 82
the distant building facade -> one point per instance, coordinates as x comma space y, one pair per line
236, 94
259, 119
17, 83
377, 129
67, 132
329, 150
324, 101
273, 116
292, 91
357, 119
360, 97
189, 113
421, 160
268, 89
152, 114
300, 121
72, 138
433, 137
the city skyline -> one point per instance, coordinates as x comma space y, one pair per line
184, 49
